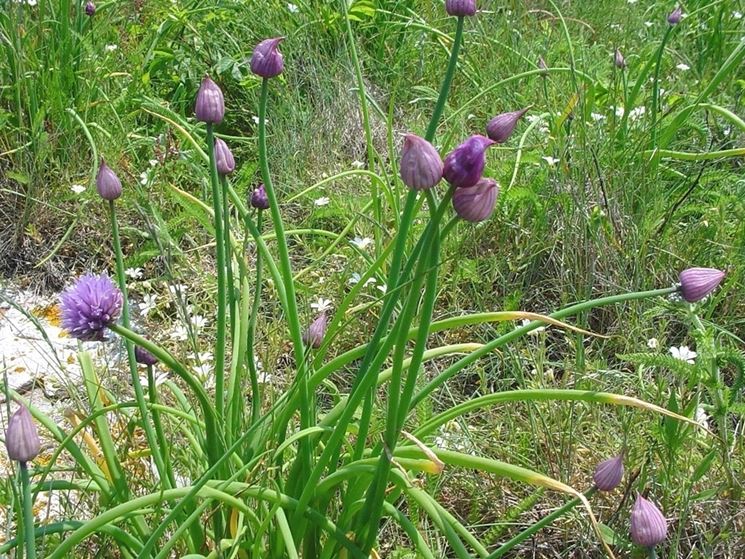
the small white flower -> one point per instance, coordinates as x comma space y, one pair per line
203, 371
179, 333
684, 353
357, 164
256, 120
356, 277
652, 343
160, 378
321, 304
148, 303
636, 113
133, 273
616, 26
701, 417
597, 117
153, 162
292, 8
77, 188
322, 201
110, 48
198, 321
683, 67
533, 332
361, 242
144, 178
202, 357
264, 378
737, 15
632, 1
649, 23
550, 160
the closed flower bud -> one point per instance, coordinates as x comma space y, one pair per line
542, 66
259, 198
90, 8
608, 474
675, 16
313, 336
266, 60
619, 60
476, 203
144, 357
210, 105
421, 165
460, 7
648, 525
21, 438
108, 185
465, 164
223, 158
697, 283
500, 128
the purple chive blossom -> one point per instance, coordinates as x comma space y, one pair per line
313, 336
465, 164
619, 60
477, 202
108, 185
259, 198
608, 474
90, 306
144, 357
648, 524
21, 438
421, 165
675, 16
500, 127
223, 158
210, 106
460, 7
697, 283
266, 60
90, 8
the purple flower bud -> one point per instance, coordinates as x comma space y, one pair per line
210, 105
697, 283
421, 165
648, 525
108, 185
144, 357
313, 336
477, 202
223, 158
90, 306
460, 7
500, 128
675, 16
21, 438
619, 60
464, 165
259, 198
608, 474
266, 60
90, 8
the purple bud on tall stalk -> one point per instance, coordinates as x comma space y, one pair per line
259, 198
609, 473
619, 60
266, 60
697, 283
144, 357
223, 157
465, 164
90, 8
675, 16
476, 203
21, 438
421, 165
108, 185
210, 106
460, 7
500, 127
313, 336
90, 306
648, 524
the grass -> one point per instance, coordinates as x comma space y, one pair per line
610, 215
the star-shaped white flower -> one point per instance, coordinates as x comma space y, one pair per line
550, 160
321, 304
148, 304
684, 353
652, 343
683, 67
361, 242
322, 201
77, 188
133, 273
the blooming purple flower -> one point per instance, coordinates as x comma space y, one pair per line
90, 8
675, 16
648, 524
460, 7
210, 106
259, 198
223, 158
465, 164
619, 60
421, 165
144, 357
266, 60
21, 438
313, 336
108, 185
91, 305
608, 474
500, 127
697, 283
476, 203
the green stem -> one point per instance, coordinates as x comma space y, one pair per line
162, 441
445, 88
652, 553
542, 523
255, 389
656, 85
231, 296
28, 513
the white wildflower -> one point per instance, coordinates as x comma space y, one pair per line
652, 343
683, 67
636, 113
292, 8
533, 332
198, 321
361, 242
77, 188
383, 289
550, 160
684, 353
148, 304
133, 273
701, 417
110, 48
597, 117
179, 333
322, 201
356, 278
321, 305
144, 178
357, 164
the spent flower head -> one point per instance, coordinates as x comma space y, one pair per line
90, 306
144, 357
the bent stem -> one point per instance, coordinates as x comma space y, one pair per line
28, 513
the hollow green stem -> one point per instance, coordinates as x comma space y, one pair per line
229, 284
28, 513
656, 85
445, 88
162, 441
256, 394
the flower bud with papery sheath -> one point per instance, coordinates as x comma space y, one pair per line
465, 164
609, 473
460, 7
210, 106
21, 438
476, 203
259, 198
697, 283
108, 185
619, 60
266, 60
675, 16
90, 306
223, 158
500, 127
421, 165
648, 524
144, 357
313, 336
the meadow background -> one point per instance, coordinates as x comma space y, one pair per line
585, 210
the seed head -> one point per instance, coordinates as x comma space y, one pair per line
21, 438
210, 106
608, 474
648, 524
421, 165
697, 283
91, 305
223, 158
108, 185
465, 164
500, 127
266, 60
476, 203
